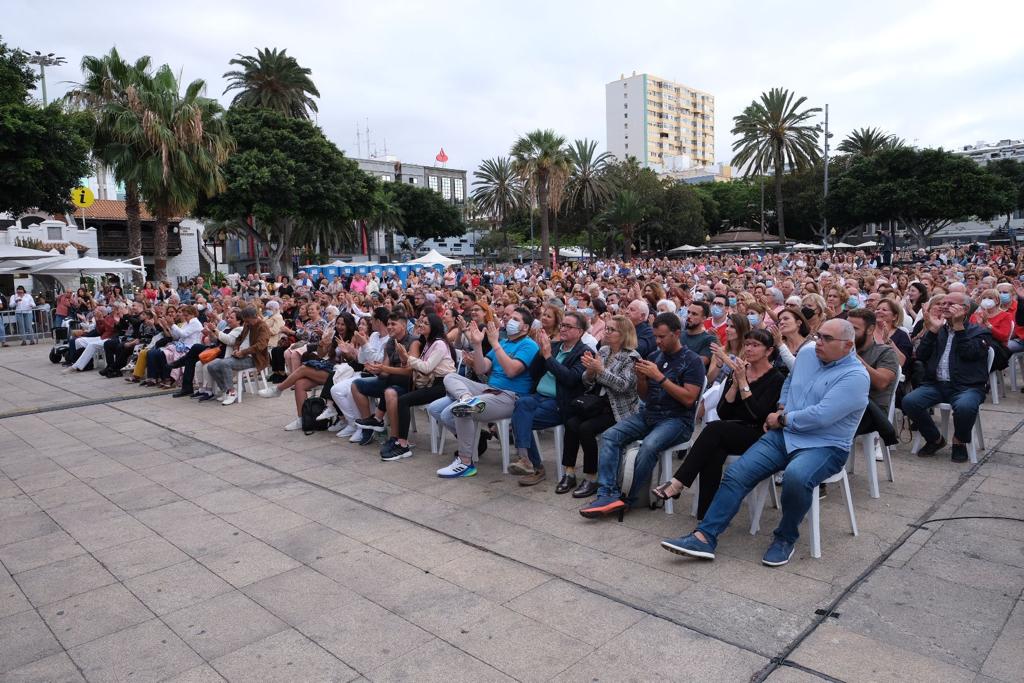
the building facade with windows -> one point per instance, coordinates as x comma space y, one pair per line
660, 122
450, 183
984, 152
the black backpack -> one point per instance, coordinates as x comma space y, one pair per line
311, 409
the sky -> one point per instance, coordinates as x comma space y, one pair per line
472, 76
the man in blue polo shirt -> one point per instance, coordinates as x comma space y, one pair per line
669, 384
469, 402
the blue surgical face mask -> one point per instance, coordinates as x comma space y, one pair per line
717, 311
769, 283
754, 319
732, 301
513, 327
852, 302
1004, 297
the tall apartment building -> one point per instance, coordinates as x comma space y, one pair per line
984, 152
665, 125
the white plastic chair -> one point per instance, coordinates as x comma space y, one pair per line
867, 443
945, 411
250, 375
666, 456
816, 511
755, 500
558, 434
1016, 366
438, 432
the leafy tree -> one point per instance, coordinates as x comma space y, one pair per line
109, 84
625, 213
681, 217
425, 214
867, 141
286, 173
387, 215
738, 202
541, 161
924, 190
497, 190
43, 150
588, 187
272, 80
774, 134
1013, 172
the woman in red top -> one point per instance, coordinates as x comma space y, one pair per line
149, 292
994, 316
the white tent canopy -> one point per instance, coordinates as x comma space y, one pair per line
685, 247
802, 246
10, 251
433, 257
869, 243
88, 264
842, 245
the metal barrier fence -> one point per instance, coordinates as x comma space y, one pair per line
41, 325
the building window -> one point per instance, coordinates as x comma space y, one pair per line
433, 182
625, 125
54, 232
412, 180
625, 105
460, 190
456, 247
446, 187
627, 145
626, 115
385, 177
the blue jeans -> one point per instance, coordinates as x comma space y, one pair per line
376, 386
805, 469
439, 410
533, 412
965, 404
658, 433
24, 324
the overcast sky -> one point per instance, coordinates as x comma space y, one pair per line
472, 76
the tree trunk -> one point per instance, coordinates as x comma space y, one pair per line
131, 210
160, 245
778, 197
545, 236
554, 231
389, 246
627, 246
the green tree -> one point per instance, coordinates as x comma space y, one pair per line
109, 84
425, 214
497, 190
1013, 172
286, 173
43, 150
272, 80
625, 213
588, 186
387, 216
923, 190
864, 142
774, 134
541, 161
738, 202
680, 217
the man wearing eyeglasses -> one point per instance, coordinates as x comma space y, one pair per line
809, 438
548, 404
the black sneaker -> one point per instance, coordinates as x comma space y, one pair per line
370, 423
368, 436
388, 445
959, 452
930, 449
397, 453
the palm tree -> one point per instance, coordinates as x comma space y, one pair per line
497, 190
864, 142
109, 79
387, 217
588, 187
187, 140
272, 80
774, 134
625, 213
541, 161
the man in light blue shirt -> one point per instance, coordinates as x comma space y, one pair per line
809, 437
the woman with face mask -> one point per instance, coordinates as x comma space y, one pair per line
992, 315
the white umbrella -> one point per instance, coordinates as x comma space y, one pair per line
801, 246
685, 247
869, 243
10, 251
842, 245
433, 257
88, 264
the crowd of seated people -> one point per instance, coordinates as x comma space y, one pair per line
780, 359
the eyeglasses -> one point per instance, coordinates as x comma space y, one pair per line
828, 338
567, 326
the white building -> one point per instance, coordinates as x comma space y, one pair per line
984, 152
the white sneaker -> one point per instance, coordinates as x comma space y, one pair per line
457, 470
357, 436
229, 399
329, 414
336, 426
348, 431
269, 392
294, 425
878, 454
221, 396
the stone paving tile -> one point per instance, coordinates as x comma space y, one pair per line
24, 638
284, 657
91, 615
1006, 658
146, 652
438, 661
311, 543
15, 506
104, 533
246, 563
63, 579
139, 557
200, 674
789, 674
223, 624
299, 595
56, 668
491, 576
575, 612
177, 586
24, 527
39, 551
12, 600
265, 520
422, 548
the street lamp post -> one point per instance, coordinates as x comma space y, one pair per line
44, 61
832, 232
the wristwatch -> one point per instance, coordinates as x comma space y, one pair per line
782, 419
745, 388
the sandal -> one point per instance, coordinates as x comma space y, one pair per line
659, 492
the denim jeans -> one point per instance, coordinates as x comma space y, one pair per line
965, 404
533, 412
657, 432
24, 319
805, 469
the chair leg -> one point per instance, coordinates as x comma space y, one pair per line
916, 444
977, 429
666, 468
849, 505
887, 459
945, 415
755, 504
695, 489
867, 444
815, 527
558, 434
503, 426
774, 491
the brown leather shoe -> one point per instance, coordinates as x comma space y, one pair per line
533, 479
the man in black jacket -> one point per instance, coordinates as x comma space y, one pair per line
555, 387
955, 356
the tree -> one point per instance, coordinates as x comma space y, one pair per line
626, 211
387, 216
186, 142
1013, 172
497, 190
108, 81
286, 173
924, 190
864, 142
588, 186
541, 161
272, 80
738, 202
774, 134
681, 217
425, 214
43, 150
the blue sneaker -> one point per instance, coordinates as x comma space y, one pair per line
367, 437
778, 553
690, 546
469, 407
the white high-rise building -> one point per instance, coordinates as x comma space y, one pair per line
665, 125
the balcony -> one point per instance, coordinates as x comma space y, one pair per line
113, 242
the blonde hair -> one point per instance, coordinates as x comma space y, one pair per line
625, 328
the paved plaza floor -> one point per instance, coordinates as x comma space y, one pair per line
147, 538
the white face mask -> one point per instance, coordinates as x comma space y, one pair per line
988, 303
513, 327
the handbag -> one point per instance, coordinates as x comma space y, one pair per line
210, 354
589, 404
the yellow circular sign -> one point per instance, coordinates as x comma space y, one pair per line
82, 197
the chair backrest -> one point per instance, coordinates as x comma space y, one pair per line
991, 358
892, 399
459, 353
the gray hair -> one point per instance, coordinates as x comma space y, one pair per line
777, 296
669, 303
642, 303
846, 331
248, 313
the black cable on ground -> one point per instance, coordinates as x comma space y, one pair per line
921, 525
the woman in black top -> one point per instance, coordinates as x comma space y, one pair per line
750, 393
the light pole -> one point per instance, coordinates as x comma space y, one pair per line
44, 61
832, 232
